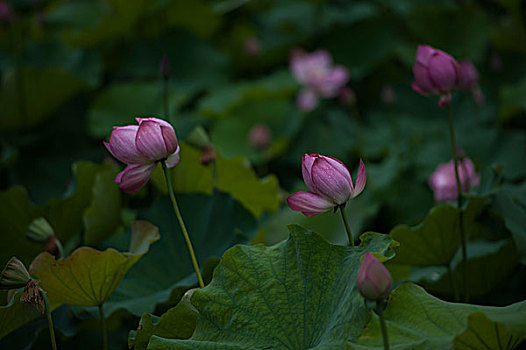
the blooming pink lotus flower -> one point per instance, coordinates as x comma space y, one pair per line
141, 147
436, 73
443, 181
318, 74
373, 279
329, 183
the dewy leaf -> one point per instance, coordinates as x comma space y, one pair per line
435, 241
215, 223
417, 320
298, 294
177, 323
87, 277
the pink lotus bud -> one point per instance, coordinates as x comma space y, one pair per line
329, 183
317, 73
435, 72
260, 136
5, 12
252, 46
469, 76
388, 95
307, 100
373, 280
443, 181
141, 147
347, 96
164, 67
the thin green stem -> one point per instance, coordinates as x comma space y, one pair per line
452, 282
165, 98
181, 224
49, 320
347, 226
459, 203
380, 311
104, 329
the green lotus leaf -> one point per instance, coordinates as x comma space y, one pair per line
417, 320
177, 323
88, 276
298, 294
16, 314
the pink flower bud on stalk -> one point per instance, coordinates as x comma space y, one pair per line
443, 182
319, 76
373, 279
435, 73
329, 183
141, 147
5, 12
252, 46
260, 136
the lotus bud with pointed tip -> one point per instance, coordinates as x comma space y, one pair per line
443, 181
141, 147
329, 183
373, 280
435, 73
14, 275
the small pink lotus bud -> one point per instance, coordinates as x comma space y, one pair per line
252, 46
443, 180
329, 183
435, 72
141, 147
164, 67
469, 76
5, 12
388, 95
373, 279
260, 136
347, 96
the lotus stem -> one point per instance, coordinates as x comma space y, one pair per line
49, 320
103, 327
347, 226
380, 311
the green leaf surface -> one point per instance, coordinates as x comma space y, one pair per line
95, 202
435, 241
417, 320
43, 92
177, 323
298, 294
16, 314
214, 222
88, 277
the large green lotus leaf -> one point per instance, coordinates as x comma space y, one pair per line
215, 223
511, 203
95, 202
16, 213
233, 175
15, 314
44, 91
177, 323
488, 264
88, 276
435, 241
417, 320
121, 103
298, 294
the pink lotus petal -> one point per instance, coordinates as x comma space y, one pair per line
173, 159
424, 53
331, 179
422, 81
306, 167
170, 140
134, 177
361, 179
443, 72
309, 203
156, 120
122, 145
150, 141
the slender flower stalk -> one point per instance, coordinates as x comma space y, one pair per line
347, 227
380, 311
459, 204
103, 327
49, 320
182, 225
